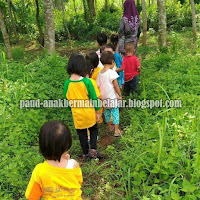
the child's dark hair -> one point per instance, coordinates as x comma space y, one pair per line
76, 65
93, 57
54, 139
114, 38
102, 39
90, 68
107, 58
107, 46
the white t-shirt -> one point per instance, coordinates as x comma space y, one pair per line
107, 91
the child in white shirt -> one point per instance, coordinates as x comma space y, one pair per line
110, 91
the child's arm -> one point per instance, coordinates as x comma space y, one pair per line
119, 69
122, 68
117, 89
138, 65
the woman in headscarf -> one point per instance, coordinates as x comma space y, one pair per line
129, 26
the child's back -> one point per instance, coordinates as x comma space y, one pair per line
59, 177
79, 90
130, 65
54, 183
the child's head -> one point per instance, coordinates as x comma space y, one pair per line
101, 39
90, 68
114, 40
107, 47
54, 140
76, 65
107, 58
93, 57
129, 48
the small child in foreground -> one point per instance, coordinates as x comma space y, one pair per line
110, 91
59, 177
131, 67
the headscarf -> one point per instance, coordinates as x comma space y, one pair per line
131, 14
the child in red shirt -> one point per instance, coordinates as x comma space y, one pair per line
131, 67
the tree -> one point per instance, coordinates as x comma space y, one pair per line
5, 35
49, 39
144, 19
86, 12
11, 17
162, 22
74, 3
106, 5
91, 9
64, 20
38, 23
194, 25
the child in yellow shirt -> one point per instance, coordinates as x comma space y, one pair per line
80, 90
59, 177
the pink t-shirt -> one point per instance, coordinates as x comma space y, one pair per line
130, 64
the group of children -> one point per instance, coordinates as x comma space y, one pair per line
100, 76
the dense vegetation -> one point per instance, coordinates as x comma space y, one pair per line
156, 158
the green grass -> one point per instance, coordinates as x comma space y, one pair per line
157, 157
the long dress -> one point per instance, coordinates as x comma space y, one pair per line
127, 34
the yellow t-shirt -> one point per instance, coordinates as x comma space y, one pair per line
51, 182
96, 72
79, 93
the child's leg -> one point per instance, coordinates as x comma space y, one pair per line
93, 136
127, 88
115, 114
107, 114
134, 84
83, 137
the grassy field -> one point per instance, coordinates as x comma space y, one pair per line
157, 156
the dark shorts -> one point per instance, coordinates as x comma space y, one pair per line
131, 86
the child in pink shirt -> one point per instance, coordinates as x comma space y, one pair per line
131, 67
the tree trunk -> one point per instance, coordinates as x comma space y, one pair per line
5, 35
11, 18
194, 24
49, 40
144, 19
91, 9
38, 23
74, 3
64, 20
86, 13
106, 5
162, 22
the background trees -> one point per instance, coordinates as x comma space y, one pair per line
82, 19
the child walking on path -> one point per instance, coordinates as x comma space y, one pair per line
81, 89
131, 67
110, 91
59, 177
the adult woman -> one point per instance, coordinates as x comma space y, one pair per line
129, 26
